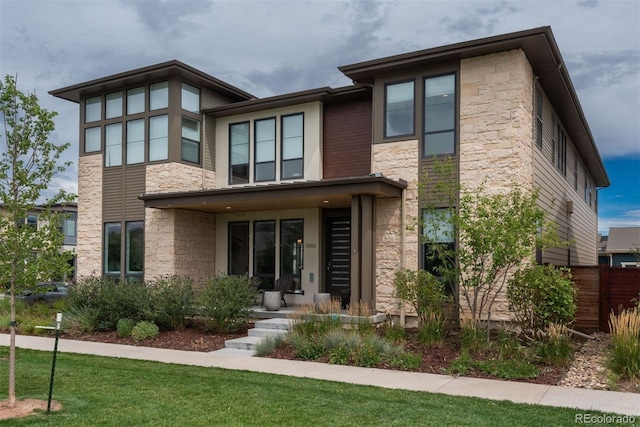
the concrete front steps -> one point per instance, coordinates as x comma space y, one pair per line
262, 329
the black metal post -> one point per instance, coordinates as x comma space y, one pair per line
53, 364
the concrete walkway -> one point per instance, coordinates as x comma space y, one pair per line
582, 399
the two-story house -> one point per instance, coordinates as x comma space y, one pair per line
183, 174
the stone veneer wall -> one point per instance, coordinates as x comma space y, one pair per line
172, 177
178, 242
89, 242
395, 160
496, 128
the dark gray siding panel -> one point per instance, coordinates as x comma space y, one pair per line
133, 188
112, 188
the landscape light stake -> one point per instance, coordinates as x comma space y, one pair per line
55, 353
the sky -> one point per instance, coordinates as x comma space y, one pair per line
273, 47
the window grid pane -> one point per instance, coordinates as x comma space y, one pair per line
190, 140
135, 100
292, 146
158, 138
92, 109
190, 98
399, 107
113, 145
134, 247
112, 247
159, 96
92, 139
114, 105
135, 141
239, 157
439, 115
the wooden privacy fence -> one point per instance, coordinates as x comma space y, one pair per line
601, 290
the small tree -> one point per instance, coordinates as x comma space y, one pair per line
495, 233
28, 162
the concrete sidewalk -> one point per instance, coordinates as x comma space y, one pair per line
581, 399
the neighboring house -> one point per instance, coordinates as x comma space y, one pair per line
621, 248
67, 227
183, 174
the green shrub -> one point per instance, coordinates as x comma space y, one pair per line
625, 336
307, 347
340, 354
473, 338
507, 345
124, 327
553, 345
111, 301
510, 369
541, 295
422, 290
370, 352
81, 320
394, 332
431, 329
226, 303
144, 330
173, 302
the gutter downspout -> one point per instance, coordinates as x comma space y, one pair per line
402, 248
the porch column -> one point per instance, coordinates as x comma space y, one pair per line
363, 249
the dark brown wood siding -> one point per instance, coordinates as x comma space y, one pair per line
121, 187
347, 138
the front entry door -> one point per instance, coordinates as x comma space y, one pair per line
337, 226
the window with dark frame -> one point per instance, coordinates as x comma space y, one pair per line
114, 105
135, 141
158, 138
439, 115
291, 240
438, 237
190, 147
238, 248
93, 109
264, 252
561, 154
92, 139
265, 149
399, 106
239, 153
112, 248
292, 131
113, 145
134, 248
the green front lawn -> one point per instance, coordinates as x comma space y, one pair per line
108, 391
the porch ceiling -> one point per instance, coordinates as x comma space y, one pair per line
331, 193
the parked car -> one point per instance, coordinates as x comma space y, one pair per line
43, 292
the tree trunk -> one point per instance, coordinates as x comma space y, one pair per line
12, 354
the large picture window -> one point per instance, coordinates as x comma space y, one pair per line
158, 138
399, 109
134, 251
238, 248
438, 241
264, 252
265, 146
112, 247
291, 240
190, 140
113, 145
292, 146
439, 115
135, 141
239, 153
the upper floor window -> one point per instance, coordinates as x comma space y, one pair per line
239, 153
439, 115
190, 98
32, 220
114, 105
575, 171
158, 138
92, 139
70, 227
265, 147
399, 109
539, 118
159, 96
190, 140
92, 109
292, 146
561, 151
135, 100
113, 145
135, 141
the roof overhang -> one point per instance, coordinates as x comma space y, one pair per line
323, 94
548, 66
151, 73
329, 193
